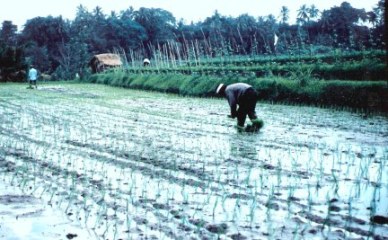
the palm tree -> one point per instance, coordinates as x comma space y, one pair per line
313, 12
303, 14
284, 14
379, 10
372, 18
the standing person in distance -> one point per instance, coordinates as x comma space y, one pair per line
245, 97
32, 77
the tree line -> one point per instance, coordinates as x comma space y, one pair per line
62, 47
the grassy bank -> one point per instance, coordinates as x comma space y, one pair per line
364, 95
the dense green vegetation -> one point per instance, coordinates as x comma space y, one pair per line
62, 48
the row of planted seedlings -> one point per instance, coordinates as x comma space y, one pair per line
70, 175
233, 177
73, 178
80, 179
71, 171
354, 172
253, 60
187, 183
323, 176
345, 70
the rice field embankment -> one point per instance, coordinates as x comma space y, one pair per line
349, 80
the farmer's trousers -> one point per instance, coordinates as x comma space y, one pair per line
247, 105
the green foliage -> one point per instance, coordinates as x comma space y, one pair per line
302, 74
342, 22
12, 65
43, 38
158, 24
243, 45
72, 60
8, 35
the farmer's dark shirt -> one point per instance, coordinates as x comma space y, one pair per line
234, 93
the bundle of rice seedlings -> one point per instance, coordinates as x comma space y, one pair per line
256, 125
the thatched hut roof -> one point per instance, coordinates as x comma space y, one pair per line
100, 62
109, 59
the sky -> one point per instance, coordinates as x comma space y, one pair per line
19, 11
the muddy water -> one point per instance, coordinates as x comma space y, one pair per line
128, 164
23, 216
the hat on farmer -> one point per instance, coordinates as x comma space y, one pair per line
219, 88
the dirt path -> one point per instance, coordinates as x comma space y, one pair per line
122, 164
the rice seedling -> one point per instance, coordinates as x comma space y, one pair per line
129, 162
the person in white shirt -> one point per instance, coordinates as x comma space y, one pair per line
32, 76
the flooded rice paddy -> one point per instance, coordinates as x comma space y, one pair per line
122, 164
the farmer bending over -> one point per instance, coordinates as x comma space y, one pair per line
245, 97
32, 76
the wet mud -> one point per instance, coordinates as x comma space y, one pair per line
109, 163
